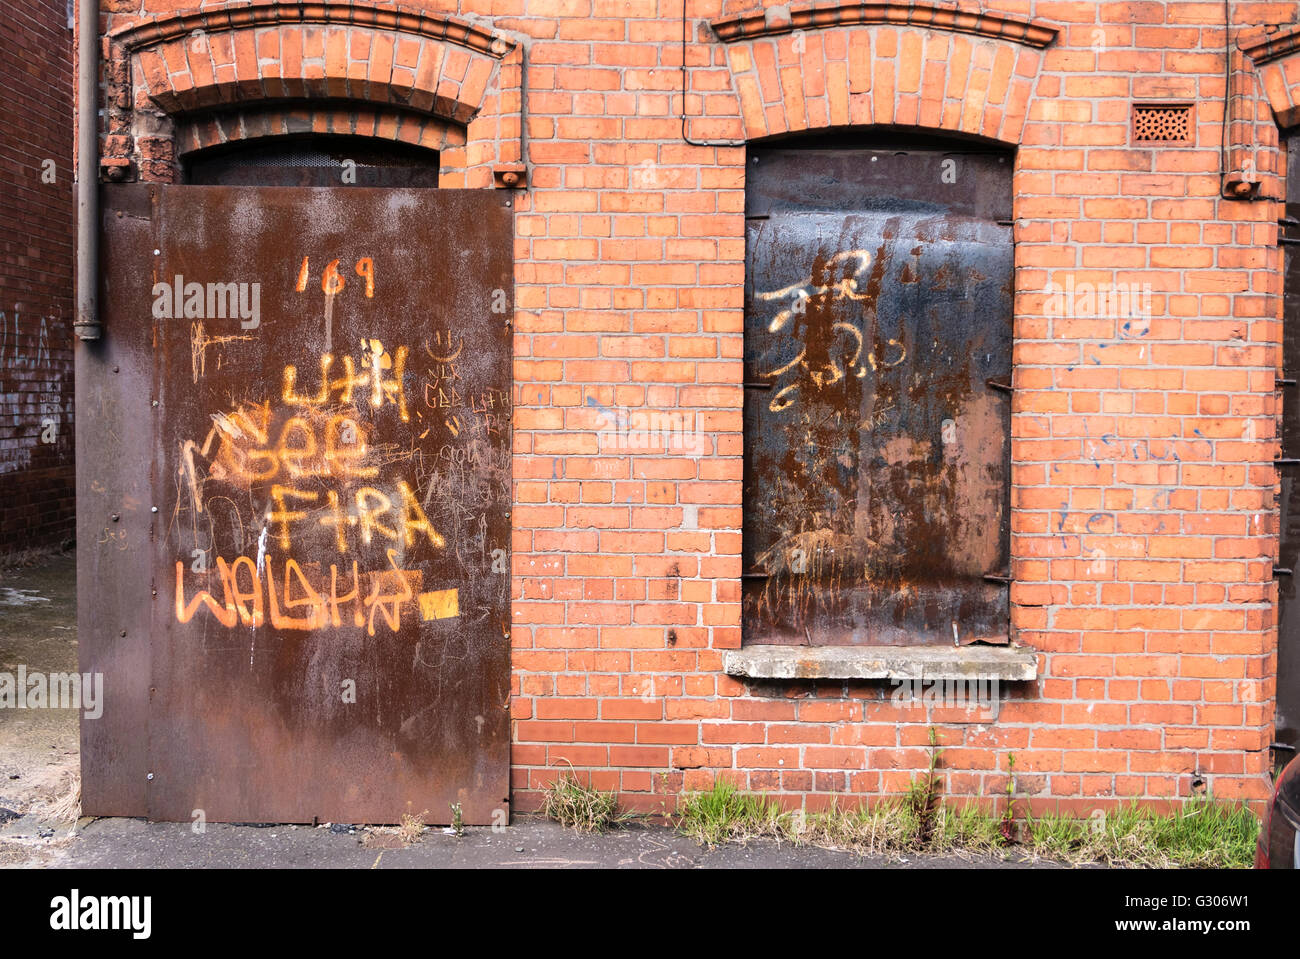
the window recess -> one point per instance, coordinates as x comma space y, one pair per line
878, 335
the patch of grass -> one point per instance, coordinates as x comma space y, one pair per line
724, 814
1201, 834
584, 808
892, 825
969, 828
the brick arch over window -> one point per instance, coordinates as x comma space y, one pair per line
928, 65
379, 61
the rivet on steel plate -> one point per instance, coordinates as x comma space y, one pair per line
155, 402
122, 634
116, 517
153, 509
149, 777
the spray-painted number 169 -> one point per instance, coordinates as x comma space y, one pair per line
332, 280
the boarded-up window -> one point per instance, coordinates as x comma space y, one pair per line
878, 334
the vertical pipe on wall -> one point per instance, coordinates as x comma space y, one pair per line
87, 319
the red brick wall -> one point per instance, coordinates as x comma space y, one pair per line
36, 237
1144, 526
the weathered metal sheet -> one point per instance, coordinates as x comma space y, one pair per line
114, 523
877, 452
330, 464
1287, 720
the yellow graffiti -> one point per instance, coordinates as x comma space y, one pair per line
308, 467
199, 343
444, 342
852, 265
373, 509
844, 288
375, 362
832, 372
440, 604
308, 446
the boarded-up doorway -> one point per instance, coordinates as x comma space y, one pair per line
293, 505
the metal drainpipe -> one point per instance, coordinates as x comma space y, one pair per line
87, 322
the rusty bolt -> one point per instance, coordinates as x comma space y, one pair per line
510, 179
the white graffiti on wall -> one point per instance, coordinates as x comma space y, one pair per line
25, 346
13, 353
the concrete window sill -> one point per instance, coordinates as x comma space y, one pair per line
1003, 663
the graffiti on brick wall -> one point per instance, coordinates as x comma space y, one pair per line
37, 413
30, 351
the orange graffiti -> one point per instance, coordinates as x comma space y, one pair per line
295, 604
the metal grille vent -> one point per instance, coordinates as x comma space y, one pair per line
1162, 123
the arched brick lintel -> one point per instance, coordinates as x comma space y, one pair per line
228, 57
848, 69
917, 13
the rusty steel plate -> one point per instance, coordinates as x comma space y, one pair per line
322, 375
877, 410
